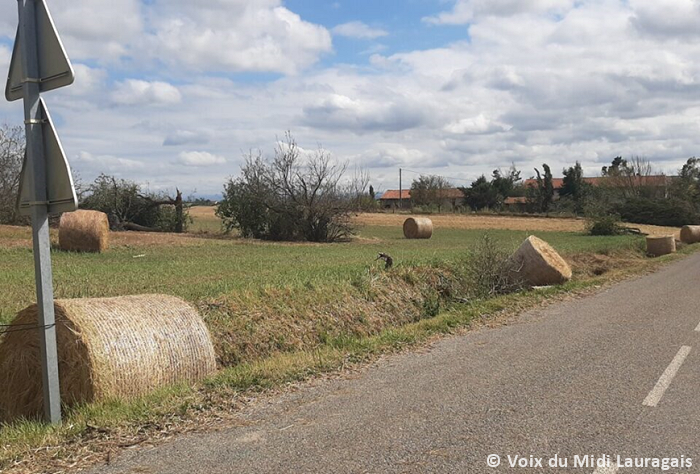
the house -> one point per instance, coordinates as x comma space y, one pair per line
449, 197
391, 198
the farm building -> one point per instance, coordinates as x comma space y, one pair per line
450, 198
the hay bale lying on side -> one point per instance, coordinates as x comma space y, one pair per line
418, 228
658, 245
690, 234
83, 231
539, 264
120, 347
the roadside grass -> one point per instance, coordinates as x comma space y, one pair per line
279, 313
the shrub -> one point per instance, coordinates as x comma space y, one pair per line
290, 197
672, 212
489, 270
604, 224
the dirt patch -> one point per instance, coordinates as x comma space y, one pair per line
523, 223
21, 237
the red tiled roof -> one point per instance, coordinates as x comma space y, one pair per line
394, 194
515, 200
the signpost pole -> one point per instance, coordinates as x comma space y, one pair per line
36, 162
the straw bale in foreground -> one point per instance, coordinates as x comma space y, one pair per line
119, 347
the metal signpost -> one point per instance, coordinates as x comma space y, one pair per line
39, 63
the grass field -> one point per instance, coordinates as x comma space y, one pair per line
200, 268
279, 312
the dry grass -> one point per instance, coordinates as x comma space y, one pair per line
21, 237
524, 223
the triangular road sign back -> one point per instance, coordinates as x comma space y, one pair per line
55, 69
59, 181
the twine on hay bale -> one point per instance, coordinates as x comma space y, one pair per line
119, 347
539, 264
418, 228
658, 245
690, 234
83, 231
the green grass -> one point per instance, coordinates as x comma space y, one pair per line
214, 267
237, 272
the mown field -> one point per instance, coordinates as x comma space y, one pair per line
204, 265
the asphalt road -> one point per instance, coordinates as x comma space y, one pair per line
616, 373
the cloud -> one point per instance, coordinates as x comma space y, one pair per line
235, 35
101, 30
107, 163
467, 11
200, 158
363, 116
186, 137
389, 155
667, 18
359, 30
137, 92
476, 125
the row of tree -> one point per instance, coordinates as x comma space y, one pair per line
628, 188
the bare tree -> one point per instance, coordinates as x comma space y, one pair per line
12, 146
293, 196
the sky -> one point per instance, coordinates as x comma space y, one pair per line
174, 93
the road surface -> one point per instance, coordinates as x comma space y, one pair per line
616, 373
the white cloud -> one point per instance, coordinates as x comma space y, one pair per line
667, 18
476, 125
235, 35
466, 11
137, 92
186, 137
364, 115
359, 30
102, 30
200, 158
108, 163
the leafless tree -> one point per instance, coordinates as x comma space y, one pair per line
293, 196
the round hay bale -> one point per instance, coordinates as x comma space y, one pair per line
690, 234
83, 231
539, 264
658, 245
418, 228
119, 347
